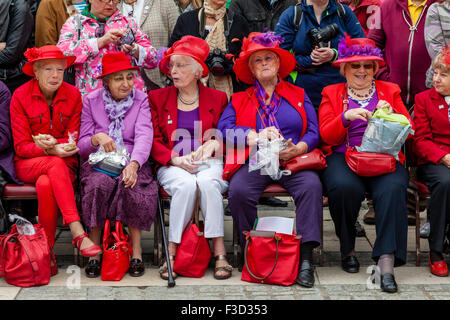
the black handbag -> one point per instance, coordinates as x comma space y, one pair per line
5, 224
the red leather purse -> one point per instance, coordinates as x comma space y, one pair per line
314, 160
271, 258
117, 252
193, 253
25, 260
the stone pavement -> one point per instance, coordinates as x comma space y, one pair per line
332, 283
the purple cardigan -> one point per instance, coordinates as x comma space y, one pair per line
138, 131
6, 143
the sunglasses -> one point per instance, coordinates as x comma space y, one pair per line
366, 66
108, 1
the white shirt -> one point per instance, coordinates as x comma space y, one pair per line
447, 99
136, 9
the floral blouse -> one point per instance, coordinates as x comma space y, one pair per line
88, 64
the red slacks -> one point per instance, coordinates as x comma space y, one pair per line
53, 180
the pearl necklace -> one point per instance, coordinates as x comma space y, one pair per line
188, 102
362, 96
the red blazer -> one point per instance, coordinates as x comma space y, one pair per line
30, 115
163, 105
331, 128
432, 136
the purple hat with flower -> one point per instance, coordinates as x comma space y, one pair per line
358, 49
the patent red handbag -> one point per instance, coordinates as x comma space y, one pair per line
369, 164
314, 160
193, 252
117, 252
271, 258
25, 260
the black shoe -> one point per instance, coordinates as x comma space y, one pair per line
350, 264
227, 210
93, 268
388, 283
272, 202
360, 232
137, 268
306, 274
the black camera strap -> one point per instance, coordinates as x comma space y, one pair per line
298, 14
227, 22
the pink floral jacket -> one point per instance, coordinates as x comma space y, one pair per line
89, 56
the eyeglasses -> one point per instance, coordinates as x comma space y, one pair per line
100, 30
267, 59
108, 1
180, 66
366, 66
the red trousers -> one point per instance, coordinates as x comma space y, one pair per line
53, 177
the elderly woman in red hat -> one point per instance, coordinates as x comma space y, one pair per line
432, 147
269, 109
44, 112
359, 60
114, 117
184, 118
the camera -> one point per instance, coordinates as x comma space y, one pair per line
218, 64
320, 36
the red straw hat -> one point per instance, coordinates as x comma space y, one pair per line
114, 62
43, 53
358, 49
257, 41
191, 46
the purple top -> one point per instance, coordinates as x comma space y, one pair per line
288, 118
185, 132
137, 133
356, 128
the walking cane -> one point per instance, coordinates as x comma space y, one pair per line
170, 281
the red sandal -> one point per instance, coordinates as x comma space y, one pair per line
89, 251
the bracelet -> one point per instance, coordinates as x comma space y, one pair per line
335, 55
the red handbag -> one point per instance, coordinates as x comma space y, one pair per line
117, 252
271, 258
193, 253
314, 160
368, 164
25, 260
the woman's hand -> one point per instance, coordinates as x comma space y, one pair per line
58, 150
445, 160
293, 150
269, 133
103, 140
129, 174
321, 55
112, 36
384, 104
132, 50
46, 144
206, 150
184, 162
358, 113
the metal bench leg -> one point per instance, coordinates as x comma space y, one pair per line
417, 198
236, 246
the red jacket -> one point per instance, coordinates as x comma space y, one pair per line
367, 12
332, 131
432, 136
244, 104
30, 115
163, 105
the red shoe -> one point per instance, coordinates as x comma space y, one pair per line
439, 268
89, 251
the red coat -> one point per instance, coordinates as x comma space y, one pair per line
30, 115
432, 136
332, 131
163, 105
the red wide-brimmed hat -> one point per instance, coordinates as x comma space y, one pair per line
43, 53
115, 62
257, 41
191, 46
358, 49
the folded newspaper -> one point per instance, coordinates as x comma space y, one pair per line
276, 224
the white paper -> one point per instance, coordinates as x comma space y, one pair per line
277, 224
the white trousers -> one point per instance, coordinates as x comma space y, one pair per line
181, 186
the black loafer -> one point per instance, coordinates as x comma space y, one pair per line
272, 202
388, 283
227, 210
137, 268
306, 274
350, 264
93, 269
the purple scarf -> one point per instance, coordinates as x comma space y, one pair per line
116, 112
268, 117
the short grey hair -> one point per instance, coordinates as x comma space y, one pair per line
38, 64
196, 67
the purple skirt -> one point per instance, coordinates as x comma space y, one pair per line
104, 197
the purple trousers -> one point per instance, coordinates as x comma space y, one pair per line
304, 187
